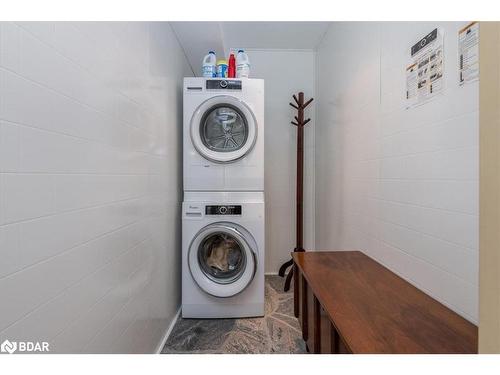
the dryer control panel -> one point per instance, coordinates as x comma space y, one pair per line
223, 84
223, 210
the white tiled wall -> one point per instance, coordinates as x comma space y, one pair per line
280, 148
90, 119
401, 185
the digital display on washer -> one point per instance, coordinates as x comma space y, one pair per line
223, 210
223, 84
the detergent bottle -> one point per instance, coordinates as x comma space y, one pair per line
222, 68
242, 65
209, 66
231, 67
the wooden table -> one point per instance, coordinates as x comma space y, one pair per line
346, 302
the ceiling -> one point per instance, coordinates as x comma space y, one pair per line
197, 38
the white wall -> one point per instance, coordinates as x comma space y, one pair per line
401, 185
286, 72
90, 178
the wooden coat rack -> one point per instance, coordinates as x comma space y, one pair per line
299, 122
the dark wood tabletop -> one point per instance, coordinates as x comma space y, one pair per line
376, 311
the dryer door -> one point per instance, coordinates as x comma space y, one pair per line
222, 259
223, 129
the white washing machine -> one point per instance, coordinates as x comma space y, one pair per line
223, 254
223, 134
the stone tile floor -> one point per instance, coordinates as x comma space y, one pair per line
277, 332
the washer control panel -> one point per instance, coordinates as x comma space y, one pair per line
223, 210
223, 84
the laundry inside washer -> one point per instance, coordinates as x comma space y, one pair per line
223, 255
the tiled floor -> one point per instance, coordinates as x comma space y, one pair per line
277, 332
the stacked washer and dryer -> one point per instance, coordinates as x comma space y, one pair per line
223, 209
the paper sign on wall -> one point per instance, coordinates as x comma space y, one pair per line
411, 84
468, 53
424, 76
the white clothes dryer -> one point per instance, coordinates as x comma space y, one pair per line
223, 134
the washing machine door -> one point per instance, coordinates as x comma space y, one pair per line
223, 129
222, 259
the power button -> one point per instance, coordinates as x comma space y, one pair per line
223, 210
223, 84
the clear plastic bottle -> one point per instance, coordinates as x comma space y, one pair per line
209, 65
242, 65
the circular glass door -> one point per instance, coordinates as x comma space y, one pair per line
222, 259
223, 129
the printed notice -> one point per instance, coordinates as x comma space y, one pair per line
411, 84
424, 76
468, 53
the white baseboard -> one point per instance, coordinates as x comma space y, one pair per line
270, 273
168, 332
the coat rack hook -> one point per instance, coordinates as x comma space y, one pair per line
307, 103
293, 105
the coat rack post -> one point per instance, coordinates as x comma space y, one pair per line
299, 105
300, 176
